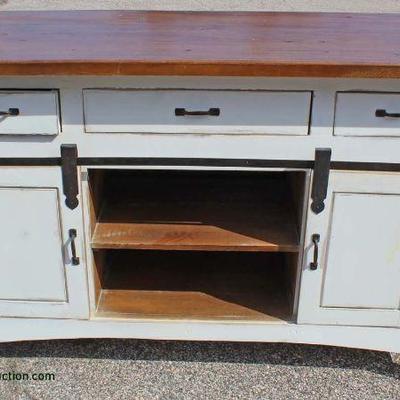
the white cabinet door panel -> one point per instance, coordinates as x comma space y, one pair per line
31, 245
37, 276
363, 254
358, 278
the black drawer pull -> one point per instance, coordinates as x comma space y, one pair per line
315, 239
213, 112
12, 112
384, 113
72, 236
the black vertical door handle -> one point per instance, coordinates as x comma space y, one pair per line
72, 236
315, 239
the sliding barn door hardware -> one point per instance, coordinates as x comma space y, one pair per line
319, 188
69, 168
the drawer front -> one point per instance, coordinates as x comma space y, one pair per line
232, 112
367, 114
29, 113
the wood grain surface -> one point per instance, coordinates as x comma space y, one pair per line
179, 285
185, 226
199, 43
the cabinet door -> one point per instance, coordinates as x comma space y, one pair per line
357, 281
38, 278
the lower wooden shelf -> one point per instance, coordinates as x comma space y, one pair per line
194, 285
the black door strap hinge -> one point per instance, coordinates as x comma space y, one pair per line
320, 179
69, 168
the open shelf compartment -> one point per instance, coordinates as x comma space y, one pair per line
206, 245
193, 285
195, 211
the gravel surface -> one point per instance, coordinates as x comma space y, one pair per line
133, 369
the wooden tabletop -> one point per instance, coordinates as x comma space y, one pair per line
199, 43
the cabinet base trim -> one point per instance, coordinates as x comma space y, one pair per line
382, 339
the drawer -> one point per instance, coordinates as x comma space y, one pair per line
29, 113
177, 111
356, 114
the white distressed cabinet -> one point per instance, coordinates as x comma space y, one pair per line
357, 281
227, 177
176, 244
38, 278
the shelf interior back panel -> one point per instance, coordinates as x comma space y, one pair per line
197, 211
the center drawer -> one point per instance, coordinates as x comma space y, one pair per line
197, 111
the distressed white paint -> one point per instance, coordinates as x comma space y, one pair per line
326, 299
358, 278
153, 111
355, 114
37, 277
198, 145
38, 113
363, 255
32, 265
384, 339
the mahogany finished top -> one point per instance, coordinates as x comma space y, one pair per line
199, 43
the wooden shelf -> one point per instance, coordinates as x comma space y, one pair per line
184, 285
190, 226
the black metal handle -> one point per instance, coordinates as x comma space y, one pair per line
213, 112
72, 236
383, 113
12, 112
315, 239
